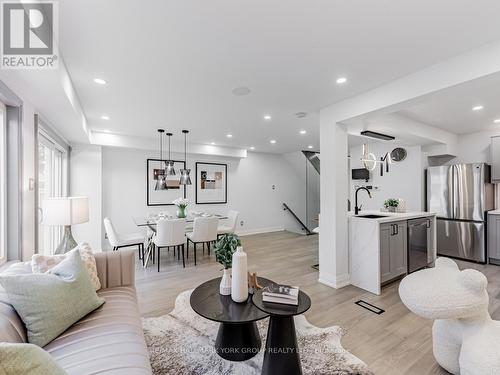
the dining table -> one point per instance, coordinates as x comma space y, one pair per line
150, 222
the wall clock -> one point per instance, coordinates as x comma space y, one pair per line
398, 154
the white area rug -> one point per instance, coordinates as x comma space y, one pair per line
181, 342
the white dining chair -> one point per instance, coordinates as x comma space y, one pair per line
118, 240
204, 231
170, 233
230, 225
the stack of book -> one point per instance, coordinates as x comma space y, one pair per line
283, 294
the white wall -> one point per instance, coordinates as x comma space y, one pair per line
250, 192
404, 180
471, 148
85, 179
475, 147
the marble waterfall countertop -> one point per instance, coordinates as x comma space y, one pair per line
391, 216
494, 212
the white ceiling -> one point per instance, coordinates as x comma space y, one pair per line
405, 132
451, 109
173, 64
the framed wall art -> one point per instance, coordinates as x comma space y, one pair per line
155, 168
211, 183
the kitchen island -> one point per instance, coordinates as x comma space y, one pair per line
378, 246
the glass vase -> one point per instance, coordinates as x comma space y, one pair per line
181, 212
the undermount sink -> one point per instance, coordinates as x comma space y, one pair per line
371, 216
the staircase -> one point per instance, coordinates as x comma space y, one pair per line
303, 226
313, 158
305, 212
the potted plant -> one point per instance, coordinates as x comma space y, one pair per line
224, 250
181, 204
391, 204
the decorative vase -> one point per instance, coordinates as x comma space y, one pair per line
391, 209
181, 212
239, 281
225, 283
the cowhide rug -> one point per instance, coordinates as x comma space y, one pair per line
181, 342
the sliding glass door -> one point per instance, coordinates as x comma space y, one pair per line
51, 183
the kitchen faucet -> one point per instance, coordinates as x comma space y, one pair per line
356, 208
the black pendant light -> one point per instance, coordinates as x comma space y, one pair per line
185, 179
161, 183
169, 164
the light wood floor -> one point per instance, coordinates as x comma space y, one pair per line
396, 342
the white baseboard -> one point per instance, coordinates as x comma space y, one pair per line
297, 231
332, 281
343, 280
259, 231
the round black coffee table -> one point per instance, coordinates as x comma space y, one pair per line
282, 354
238, 338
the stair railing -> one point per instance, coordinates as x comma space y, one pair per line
304, 227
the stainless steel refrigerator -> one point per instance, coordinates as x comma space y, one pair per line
460, 195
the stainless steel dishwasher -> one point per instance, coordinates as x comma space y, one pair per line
418, 243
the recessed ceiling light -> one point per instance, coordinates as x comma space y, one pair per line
302, 132
252, 148
229, 135
341, 80
240, 91
477, 108
310, 146
212, 143
497, 121
267, 117
273, 141
100, 81
104, 117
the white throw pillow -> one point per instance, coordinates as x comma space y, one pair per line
44, 263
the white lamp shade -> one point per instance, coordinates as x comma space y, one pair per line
65, 211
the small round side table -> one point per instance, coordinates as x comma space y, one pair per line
238, 338
282, 355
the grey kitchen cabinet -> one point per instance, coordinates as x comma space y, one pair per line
494, 238
393, 250
495, 160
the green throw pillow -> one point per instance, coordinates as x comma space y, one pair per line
29, 359
52, 302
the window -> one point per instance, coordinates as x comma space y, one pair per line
52, 161
3, 184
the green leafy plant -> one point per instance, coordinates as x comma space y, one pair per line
224, 249
391, 203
